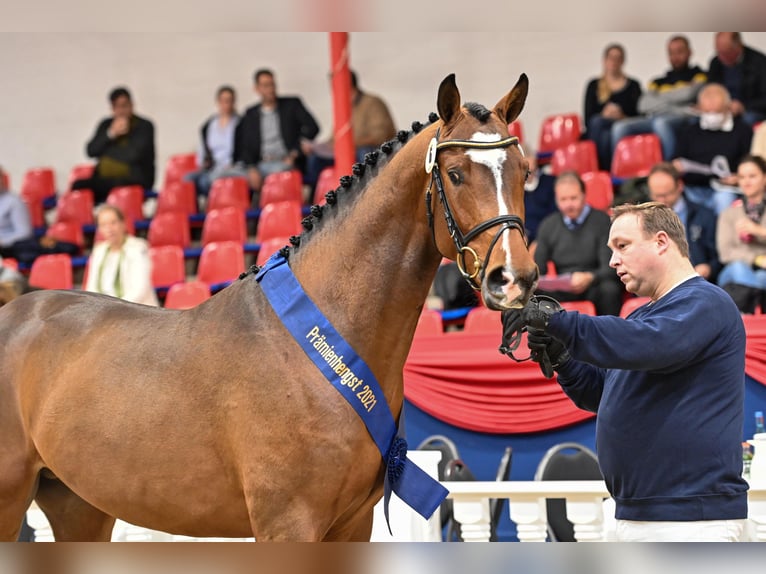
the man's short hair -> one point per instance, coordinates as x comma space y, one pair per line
262, 72
117, 93
667, 168
573, 176
680, 38
656, 217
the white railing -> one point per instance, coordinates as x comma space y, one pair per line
588, 507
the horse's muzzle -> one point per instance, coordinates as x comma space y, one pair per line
504, 289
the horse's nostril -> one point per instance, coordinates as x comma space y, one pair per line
496, 280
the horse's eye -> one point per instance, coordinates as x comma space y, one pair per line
455, 177
526, 176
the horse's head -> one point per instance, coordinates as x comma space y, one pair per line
478, 172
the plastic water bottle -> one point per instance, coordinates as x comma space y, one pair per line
747, 458
759, 428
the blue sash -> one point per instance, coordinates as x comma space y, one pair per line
353, 379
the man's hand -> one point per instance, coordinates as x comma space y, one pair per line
534, 316
581, 281
120, 126
548, 351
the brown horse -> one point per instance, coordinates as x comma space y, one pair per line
213, 421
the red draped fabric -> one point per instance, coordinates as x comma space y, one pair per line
460, 378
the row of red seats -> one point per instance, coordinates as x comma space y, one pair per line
560, 141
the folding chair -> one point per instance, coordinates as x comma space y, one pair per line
52, 272
187, 295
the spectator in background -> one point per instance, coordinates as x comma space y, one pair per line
717, 133
667, 188
272, 135
743, 71
612, 96
119, 264
216, 145
741, 238
539, 198
16, 233
668, 101
123, 146
575, 240
371, 124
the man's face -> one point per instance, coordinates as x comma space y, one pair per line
713, 101
570, 199
225, 102
663, 189
122, 107
266, 88
678, 54
727, 49
633, 254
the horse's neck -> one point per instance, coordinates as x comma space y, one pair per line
370, 271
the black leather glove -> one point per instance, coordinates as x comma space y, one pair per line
547, 350
535, 315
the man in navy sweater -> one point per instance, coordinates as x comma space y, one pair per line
667, 385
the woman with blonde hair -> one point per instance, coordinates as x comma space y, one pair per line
119, 264
612, 96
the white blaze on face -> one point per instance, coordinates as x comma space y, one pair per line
494, 159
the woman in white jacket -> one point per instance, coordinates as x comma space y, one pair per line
119, 264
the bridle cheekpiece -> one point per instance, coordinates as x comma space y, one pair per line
460, 239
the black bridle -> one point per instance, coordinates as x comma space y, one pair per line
460, 239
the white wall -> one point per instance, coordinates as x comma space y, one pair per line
55, 86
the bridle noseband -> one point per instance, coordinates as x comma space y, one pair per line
461, 240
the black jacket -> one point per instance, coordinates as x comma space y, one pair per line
136, 148
753, 89
295, 122
700, 234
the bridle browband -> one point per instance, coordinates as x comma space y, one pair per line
461, 240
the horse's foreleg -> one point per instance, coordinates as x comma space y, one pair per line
17, 486
357, 529
71, 518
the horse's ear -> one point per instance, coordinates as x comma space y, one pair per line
510, 106
448, 102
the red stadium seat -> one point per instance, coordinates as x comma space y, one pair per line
52, 272
39, 183
557, 131
76, 206
599, 192
279, 187
169, 228
279, 220
584, 307
225, 224
578, 156
178, 165
429, 323
632, 304
483, 320
515, 128
69, 231
327, 181
221, 262
229, 192
80, 171
168, 266
187, 295
291, 182
9, 263
129, 199
178, 196
269, 247
635, 155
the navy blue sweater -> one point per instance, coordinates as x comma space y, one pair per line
668, 385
